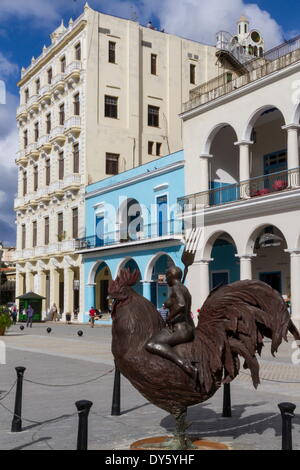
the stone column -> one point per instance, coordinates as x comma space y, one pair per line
198, 283
244, 167
246, 266
42, 290
293, 153
29, 281
295, 285
54, 287
68, 290
204, 177
90, 300
147, 289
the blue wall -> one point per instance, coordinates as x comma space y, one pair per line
224, 260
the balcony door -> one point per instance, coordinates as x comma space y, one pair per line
99, 230
162, 215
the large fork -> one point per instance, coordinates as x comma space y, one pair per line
192, 238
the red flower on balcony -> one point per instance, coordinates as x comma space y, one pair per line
279, 185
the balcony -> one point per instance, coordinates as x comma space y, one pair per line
45, 95
22, 112
58, 135
272, 61
246, 190
19, 203
33, 104
72, 182
40, 251
44, 143
73, 126
169, 230
59, 84
56, 189
68, 245
53, 248
32, 150
73, 71
21, 157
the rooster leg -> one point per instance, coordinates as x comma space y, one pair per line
180, 441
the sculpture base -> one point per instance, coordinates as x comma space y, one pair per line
157, 443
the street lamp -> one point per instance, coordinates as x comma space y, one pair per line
1, 254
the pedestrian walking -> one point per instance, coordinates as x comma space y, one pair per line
163, 312
29, 313
14, 314
53, 313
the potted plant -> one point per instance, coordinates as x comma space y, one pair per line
5, 320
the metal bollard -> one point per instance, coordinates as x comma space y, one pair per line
83, 407
16, 425
116, 406
226, 401
287, 413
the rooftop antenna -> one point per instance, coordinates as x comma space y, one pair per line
133, 15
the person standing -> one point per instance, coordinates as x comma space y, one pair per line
53, 313
14, 314
30, 313
92, 314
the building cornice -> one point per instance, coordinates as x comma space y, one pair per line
239, 92
123, 248
135, 179
54, 50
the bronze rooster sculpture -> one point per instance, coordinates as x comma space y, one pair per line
233, 322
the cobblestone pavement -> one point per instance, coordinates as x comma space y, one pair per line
63, 358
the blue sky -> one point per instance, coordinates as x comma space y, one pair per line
25, 28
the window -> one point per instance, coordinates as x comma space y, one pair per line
75, 222
112, 163
23, 236
112, 52
36, 131
76, 158
26, 95
24, 183
60, 224
153, 64
192, 74
35, 177
150, 148
76, 105
62, 114
25, 138
63, 64
153, 116
48, 123
111, 107
46, 230
158, 148
49, 76
48, 174
37, 86
78, 51
34, 233
61, 166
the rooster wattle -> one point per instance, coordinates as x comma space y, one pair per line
233, 321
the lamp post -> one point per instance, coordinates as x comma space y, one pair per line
1, 254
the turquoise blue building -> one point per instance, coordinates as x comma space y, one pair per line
132, 221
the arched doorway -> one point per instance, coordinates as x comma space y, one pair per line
224, 269
271, 263
159, 286
131, 221
102, 278
224, 167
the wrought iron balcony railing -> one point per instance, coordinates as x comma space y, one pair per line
171, 229
250, 189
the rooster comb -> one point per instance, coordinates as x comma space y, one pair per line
125, 278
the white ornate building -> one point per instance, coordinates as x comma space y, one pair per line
241, 143
104, 97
